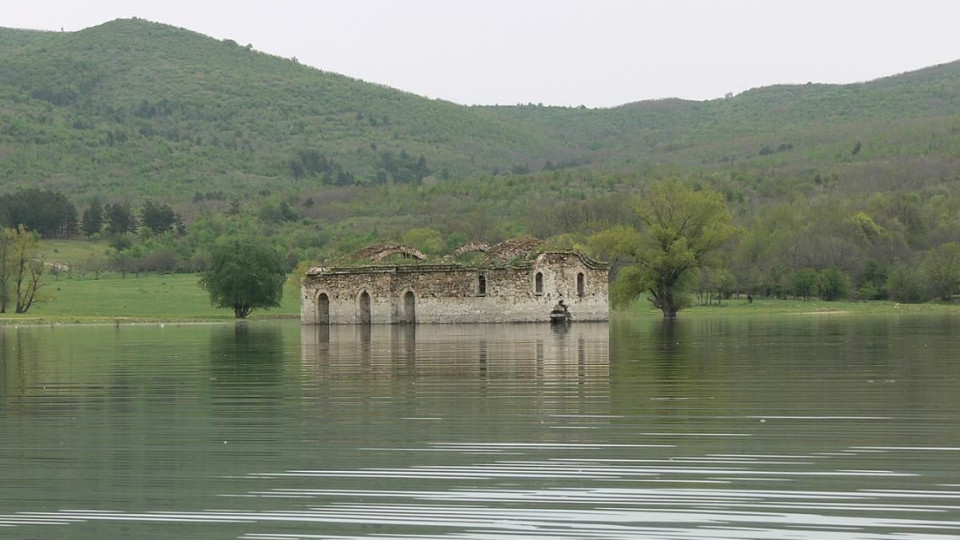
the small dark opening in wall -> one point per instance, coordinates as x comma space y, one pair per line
580, 284
538, 285
409, 315
365, 315
323, 309
481, 284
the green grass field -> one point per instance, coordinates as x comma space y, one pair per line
169, 297
71, 252
177, 297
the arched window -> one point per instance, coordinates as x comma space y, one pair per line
365, 317
323, 309
538, 283
580, 285
481, 285
409, 308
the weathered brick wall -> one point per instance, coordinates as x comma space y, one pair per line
451, 294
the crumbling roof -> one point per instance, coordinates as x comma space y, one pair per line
524, 247
470, 247
378, 252
517, 251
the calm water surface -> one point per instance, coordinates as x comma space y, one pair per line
790, 427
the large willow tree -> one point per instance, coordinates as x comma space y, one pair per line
244, 273
681, 229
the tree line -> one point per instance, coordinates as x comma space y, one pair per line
684, 243
51, 215
48, 213
400, 168
800, 241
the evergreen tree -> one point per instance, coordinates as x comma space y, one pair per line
159, 218
47, 212
119, 218
92, 220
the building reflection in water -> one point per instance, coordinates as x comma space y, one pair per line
464, 352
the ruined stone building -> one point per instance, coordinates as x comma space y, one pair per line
515, 281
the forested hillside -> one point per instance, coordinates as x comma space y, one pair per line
132, 108
134, 120
137, 109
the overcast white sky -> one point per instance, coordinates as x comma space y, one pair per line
598, 53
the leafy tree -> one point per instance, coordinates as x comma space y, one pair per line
615, 245
245, 273
724, 283
874, 284
6, 250
23, 268
906, 285
425, 239
717, 281
804, 283
276, 210
123, 262
834, 284
95, 264
92, 220
941, 268
682, 228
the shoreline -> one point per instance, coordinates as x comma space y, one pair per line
132, 321
733, 309
740, 308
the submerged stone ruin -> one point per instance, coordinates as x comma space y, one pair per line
514, 281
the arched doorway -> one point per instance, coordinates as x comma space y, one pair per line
323, 309
409, 312
365, 308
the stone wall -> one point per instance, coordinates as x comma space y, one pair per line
456, 294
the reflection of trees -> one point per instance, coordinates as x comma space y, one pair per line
246, 353
676, 372
13, 371
659, 349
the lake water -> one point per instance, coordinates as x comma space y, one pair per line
787, 427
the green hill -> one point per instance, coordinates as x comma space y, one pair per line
134, 109
857, 182
891, 116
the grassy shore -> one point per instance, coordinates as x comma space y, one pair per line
169, 297
764, 307
177, 297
